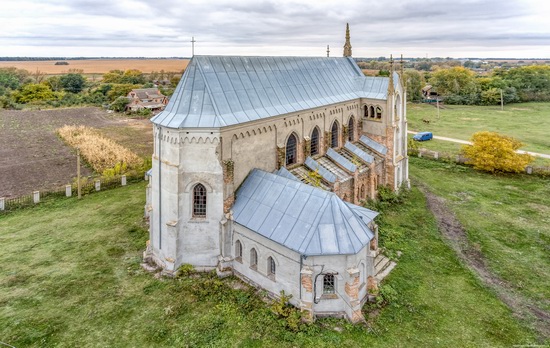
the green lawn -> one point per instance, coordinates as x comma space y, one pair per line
507, 218
70, 276
528, 122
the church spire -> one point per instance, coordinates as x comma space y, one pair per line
347, 45
391, 88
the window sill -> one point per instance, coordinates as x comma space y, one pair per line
329, 297
197, 220
254, 268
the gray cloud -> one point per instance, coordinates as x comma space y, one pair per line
280, 26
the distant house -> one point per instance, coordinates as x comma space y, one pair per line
146, 98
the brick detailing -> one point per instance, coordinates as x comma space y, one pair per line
307, 282
357, 316
228, 203
372, 284
352, 289
281, 157
228, 171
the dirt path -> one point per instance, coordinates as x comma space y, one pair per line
451, 228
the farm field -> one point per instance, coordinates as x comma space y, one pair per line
78, 282
33, 157
528, 122
506, 218
99, 66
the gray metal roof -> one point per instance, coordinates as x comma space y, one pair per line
285, 173
217, 91
373, 144
325, 173
341, 160
303, 218
358, 152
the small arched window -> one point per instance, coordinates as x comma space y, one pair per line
199, 201
334, 134
253, 258
351, 129
238, 251
362, 194
371, 109
314, 150
271, 268
378, 112
291, 150
366, 108
328, 284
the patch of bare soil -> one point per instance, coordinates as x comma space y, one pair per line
455, 234
34, 158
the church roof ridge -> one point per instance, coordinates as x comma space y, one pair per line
217, 91
303, 218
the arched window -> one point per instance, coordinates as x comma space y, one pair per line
253, 258
351, 129
328, 284
238, 251
378, 112
372, 111
362, 194
314, 142
334, 135
366, 111
199, 201
271, 268
291, 150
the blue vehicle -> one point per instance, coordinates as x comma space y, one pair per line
423, 136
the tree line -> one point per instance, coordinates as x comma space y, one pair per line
19, 87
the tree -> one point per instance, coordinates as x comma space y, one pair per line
415, 83
454, 81
493, 152
12, 78
133, 76
113, 76
73, 83
120, 90
34, 92
119, 105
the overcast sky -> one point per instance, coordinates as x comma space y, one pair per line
163, 28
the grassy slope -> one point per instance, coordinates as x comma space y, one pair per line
70, 276
528, 122
506, 217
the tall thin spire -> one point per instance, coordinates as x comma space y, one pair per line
347, 45
391, 88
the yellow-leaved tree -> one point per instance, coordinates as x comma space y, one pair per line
494, 152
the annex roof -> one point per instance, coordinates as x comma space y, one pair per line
381, 149
218, 91
301, 217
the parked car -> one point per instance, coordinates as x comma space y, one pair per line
423, 136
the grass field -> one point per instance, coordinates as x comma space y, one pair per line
506, 217
99, 66
70, 276
528, 122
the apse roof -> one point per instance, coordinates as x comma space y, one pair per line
218, 91
301, 217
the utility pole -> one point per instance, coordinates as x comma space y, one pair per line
78, 171
437, 103
501, 101
193, 46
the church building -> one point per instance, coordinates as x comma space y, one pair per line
260, 169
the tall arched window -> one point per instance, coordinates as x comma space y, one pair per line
328, 284
366, 108
291, 150
314, 141
351, 129
371, 111
378, 112
253, 258
271, 268
334, 134
362, 194
238, 251
199, 201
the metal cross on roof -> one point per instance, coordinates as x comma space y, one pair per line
193, 46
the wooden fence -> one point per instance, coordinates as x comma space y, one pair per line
87, 187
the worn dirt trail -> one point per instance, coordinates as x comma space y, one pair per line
455, 234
